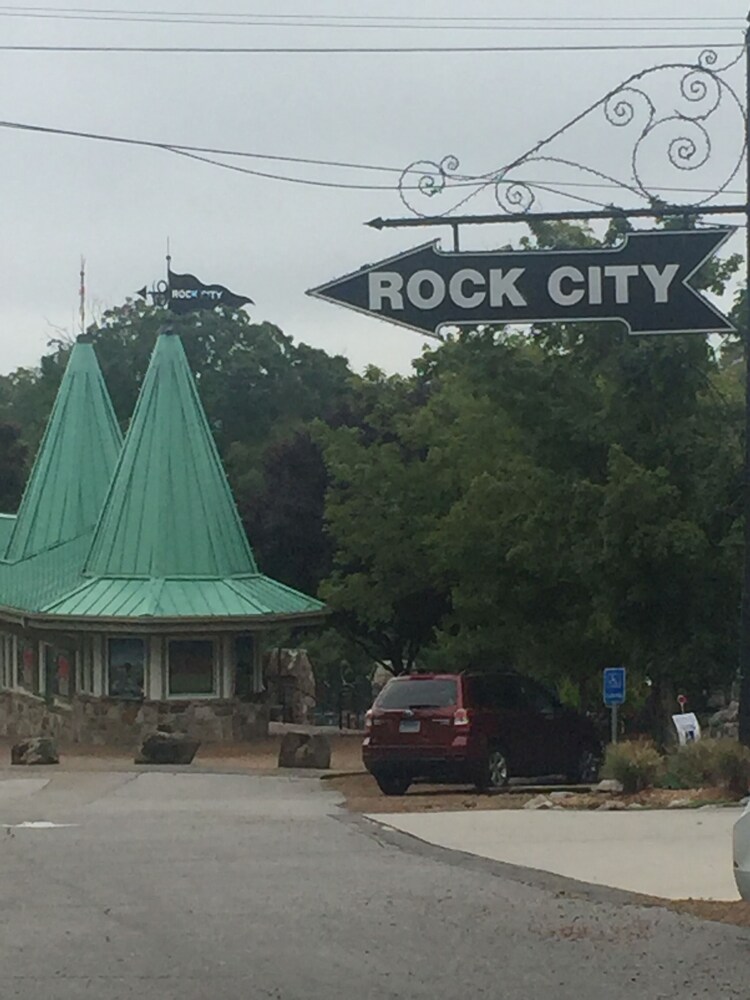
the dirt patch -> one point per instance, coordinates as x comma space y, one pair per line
361, 794
259, 756
737, 913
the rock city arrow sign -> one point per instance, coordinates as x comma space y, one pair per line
643, 283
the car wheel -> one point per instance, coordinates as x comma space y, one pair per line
495, 773
393, 784
586, 770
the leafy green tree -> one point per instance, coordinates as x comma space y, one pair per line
12, 468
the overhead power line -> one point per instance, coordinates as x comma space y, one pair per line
608, 19
356, 50
354, 23
206, 154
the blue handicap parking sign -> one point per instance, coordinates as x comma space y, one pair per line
614, 685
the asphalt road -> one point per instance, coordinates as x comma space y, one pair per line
227, 887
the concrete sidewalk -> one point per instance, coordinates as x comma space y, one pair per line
675, 854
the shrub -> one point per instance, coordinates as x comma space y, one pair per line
733, 766
721, 763
636, 765
691, 766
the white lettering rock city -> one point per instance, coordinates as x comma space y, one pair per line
567, 286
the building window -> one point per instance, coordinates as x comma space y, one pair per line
27, 666
58, 671
126, 660
191, 666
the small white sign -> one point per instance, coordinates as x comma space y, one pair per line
688, 728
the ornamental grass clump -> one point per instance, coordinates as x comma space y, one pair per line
722, 763
636, 765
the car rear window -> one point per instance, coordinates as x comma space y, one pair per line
418, 694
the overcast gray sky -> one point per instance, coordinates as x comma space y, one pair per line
116, 205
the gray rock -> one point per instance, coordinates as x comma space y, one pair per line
609, 785
164, 747
39, 750
559, 796
725, 722
636, 805
679, 803
305, 750
539, 802
613, 805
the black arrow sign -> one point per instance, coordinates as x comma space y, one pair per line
643, 283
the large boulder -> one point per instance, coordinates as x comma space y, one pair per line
290, 684
305, 750
39, 750
164, 747
725, 722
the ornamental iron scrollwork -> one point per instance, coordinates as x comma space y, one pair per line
679, 136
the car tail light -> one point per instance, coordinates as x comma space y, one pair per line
461, 717
368, 720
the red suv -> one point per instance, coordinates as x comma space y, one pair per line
474, 728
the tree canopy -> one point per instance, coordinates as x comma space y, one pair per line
558, 500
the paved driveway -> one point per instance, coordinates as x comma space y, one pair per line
193, 886
672, 853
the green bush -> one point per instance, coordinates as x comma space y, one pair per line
636, 765
691, 766
723, 763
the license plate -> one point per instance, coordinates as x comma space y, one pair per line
409, 726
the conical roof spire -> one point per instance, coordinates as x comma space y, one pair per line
74, 465
169, 511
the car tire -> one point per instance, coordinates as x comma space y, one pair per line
393, 784
586, 768
494, 773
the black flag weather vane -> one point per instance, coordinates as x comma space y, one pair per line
184, 293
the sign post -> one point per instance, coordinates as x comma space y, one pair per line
643, 283
613, 694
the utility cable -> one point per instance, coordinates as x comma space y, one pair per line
357, 50
203, 153
253, 21
609, 19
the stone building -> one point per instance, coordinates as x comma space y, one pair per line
129, 595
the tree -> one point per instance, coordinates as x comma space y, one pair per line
282, 507
384, 588
12, 468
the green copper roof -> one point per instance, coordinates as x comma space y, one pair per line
169, 511
74, 464
252, 596
7, 523
168, 543
33, 583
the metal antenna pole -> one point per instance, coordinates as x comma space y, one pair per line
744, 658
82, 298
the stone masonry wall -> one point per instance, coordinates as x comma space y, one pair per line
123, 723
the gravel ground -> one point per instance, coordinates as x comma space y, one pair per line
258, 756
361, 794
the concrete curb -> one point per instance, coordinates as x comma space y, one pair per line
330, 775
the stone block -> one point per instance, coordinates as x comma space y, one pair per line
167, 748
38, 750
609, 785
539, 802
305, 750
